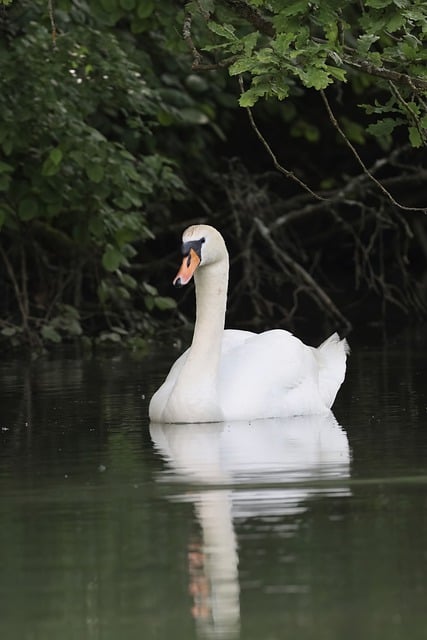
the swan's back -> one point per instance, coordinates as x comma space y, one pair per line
273, 374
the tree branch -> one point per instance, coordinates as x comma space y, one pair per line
414, 82
314, 290
276, 163
53, 28
18, 294
360, 161
264, 26
252, 15
186, 34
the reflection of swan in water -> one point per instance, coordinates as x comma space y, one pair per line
257, 468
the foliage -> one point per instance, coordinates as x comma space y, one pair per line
306, 70
81, 173
281, 47
121, 123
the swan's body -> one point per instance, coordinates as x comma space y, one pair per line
240, 375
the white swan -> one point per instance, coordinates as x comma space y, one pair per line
240, 375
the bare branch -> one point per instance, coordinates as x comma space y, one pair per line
276, 163
414, 82
252, 15
314, 290
53, 28
18, 293
186, 33
360, 161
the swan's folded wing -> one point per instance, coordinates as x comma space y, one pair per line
268, 375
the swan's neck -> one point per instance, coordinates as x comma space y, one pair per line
195, 394
211, 299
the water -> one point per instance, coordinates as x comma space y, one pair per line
303, 528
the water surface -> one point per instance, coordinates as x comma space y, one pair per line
304, 528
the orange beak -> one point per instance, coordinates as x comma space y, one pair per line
188, 267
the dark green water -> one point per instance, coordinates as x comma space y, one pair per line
295, 529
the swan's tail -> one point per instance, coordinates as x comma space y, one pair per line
331, 356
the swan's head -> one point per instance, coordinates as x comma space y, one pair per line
201, 245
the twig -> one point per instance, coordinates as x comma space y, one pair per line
212, 66
276, 163
252, 15
414, 82
52, 22
24, 282
409, 110
314, 289
186, 33
16, 289
360, 161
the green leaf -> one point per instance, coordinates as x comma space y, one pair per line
108, 5
95, 173
5, 181
127, 5
252, 95
145, 8
28, 209
103, 291
193, 116
383, 127
150, 289
415, 137
226, 31
96, 226
56, 156
123, 236
49, 168
378, 4
395, 21
240, 66
208, 6
408, 50
78, 157
165, 118
365, 42
3, 214
128, 280
7, 145
164, 303
294, 8
112, 258
316, 78
5, 167
249, 42
353, 130
338, 73
8, 332
51, 334
149, 302
110, 336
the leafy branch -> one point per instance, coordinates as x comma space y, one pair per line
360, 161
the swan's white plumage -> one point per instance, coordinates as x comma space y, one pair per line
240, 375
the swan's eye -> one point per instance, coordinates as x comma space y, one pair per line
196, 245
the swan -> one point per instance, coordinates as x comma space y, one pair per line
232, 375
